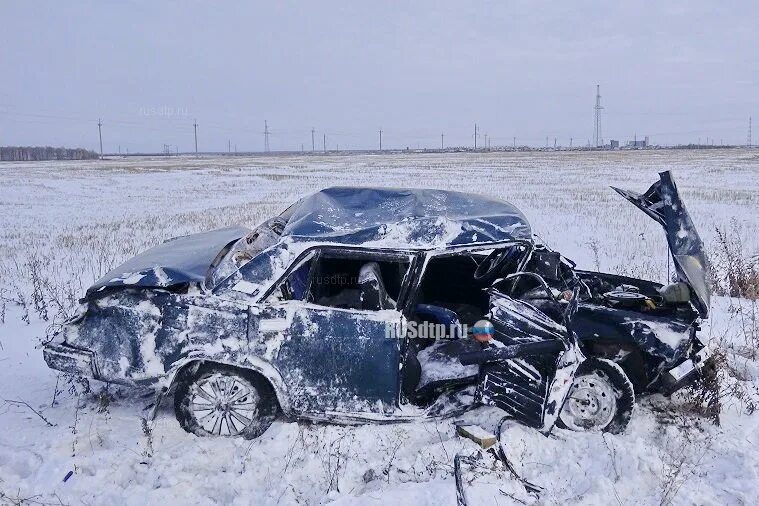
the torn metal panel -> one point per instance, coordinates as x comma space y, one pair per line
659, 336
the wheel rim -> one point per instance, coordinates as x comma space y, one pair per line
591, 404
223, 404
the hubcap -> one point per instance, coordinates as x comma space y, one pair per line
223, 404
591, 404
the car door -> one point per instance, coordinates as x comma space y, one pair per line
521, 386
332, 359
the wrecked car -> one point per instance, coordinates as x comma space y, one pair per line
319, 313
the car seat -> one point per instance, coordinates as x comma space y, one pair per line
372, 291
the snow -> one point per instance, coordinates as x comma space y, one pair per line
437, 365
70, 222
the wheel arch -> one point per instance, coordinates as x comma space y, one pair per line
256, 365
634, 361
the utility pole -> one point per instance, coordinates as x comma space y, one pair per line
324, 142
486, 141
266, 136
195, 125
515, 143
100, 135
597, 137
554, 143
313, 146
380, 132
442, 141
229, 146
570, 143
475, 136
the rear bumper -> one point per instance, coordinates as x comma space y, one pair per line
65, 358
687, 371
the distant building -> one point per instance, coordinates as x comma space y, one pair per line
614, 144
637, 143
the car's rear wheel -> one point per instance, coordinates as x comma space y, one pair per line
219, 400
601, 399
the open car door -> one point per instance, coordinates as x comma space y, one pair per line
662, 203
525, 385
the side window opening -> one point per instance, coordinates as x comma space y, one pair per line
362, 282
448, 282
295, 286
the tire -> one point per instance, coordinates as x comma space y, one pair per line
601, 399
220, 400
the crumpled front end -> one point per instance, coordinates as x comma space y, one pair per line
698, 363
114, 338
70, 359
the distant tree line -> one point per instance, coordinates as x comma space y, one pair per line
35, 153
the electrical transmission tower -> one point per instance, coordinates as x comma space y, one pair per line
749, 139
475, 136
266, 136
313, 146
597, 138
442, 141
100, 135
380, 139
195, 125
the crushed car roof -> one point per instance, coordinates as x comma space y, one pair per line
405, 218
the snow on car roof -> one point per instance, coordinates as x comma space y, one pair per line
405, 218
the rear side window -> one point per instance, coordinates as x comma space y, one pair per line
346, 279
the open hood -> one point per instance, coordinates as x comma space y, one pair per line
662, 203
177, 261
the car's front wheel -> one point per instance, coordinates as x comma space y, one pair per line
219, 400
601, 398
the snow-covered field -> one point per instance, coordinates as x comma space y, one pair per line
63, 224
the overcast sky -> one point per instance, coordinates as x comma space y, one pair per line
675, 71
